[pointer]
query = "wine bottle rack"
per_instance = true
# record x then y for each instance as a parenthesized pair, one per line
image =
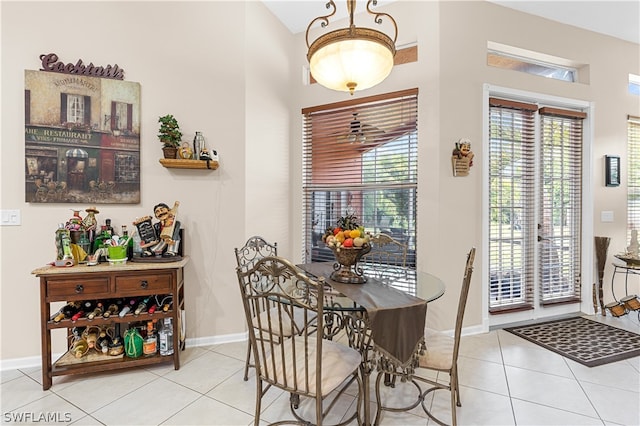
(101, 282)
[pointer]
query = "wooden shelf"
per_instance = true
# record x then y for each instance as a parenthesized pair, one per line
(171, 163)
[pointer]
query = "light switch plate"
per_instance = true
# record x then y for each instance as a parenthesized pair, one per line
(10, 218)
(606, 216)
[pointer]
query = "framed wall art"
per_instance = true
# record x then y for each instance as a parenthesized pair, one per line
(82, 139)
(612, 170)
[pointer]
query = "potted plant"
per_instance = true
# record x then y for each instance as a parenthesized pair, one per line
(170, 135)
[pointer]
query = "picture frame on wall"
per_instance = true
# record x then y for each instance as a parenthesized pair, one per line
(82, 139)
(612, 170)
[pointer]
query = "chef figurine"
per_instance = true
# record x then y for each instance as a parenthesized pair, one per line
(462, 158)
(167, 229)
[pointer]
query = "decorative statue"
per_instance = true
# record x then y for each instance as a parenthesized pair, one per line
(163, 237)
(634, 246)
(462, 158)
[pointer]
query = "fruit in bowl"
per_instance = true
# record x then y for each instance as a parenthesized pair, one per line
(346, 234)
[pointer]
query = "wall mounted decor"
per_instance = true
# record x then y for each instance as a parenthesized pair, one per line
(462, 158)
(612, 170)
(82, 139)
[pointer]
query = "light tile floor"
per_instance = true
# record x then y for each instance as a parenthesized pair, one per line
(505, 380)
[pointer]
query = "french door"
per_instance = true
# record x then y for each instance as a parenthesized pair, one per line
(534, 189)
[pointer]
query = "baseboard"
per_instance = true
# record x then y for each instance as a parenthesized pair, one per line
(36, 361)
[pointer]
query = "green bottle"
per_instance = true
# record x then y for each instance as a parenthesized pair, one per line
(63, 243)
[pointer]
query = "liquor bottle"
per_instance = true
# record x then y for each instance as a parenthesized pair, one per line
(127, 308)
(126, 239)
(137, 249)
(165, 337)
(67, 311)
(142, 306)
(116, 347)
(63, 243)
(107, 223)
(150, 344)
(97, 311)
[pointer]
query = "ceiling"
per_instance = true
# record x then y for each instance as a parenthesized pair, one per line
(620, 19)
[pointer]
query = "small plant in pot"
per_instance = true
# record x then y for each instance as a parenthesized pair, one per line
(170, 135)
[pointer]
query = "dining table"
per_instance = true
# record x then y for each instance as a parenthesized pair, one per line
(383, 317)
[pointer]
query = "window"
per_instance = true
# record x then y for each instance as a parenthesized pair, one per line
(530, 62)
(535, 204)
(121, 116)
(633, 176)
(361, 158)
(634, 84)
(75, 109)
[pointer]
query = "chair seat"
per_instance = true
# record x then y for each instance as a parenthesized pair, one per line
(298, 320)
(338, 360)
(439, 353)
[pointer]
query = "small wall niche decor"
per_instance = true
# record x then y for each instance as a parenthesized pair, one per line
(462, 158)
(612, 170)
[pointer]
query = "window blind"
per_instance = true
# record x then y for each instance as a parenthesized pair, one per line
(560, 205)
(360, 157)
(633, 176)
(511, 195)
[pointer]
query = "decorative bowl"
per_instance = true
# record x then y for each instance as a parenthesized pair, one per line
(346, 269)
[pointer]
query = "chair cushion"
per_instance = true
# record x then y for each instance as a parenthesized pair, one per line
(439, 353)
(338, 362)
(298, 319)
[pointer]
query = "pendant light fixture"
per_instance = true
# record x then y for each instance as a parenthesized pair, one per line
(353, 58)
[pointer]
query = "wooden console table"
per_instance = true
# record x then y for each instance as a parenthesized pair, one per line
(101, 282)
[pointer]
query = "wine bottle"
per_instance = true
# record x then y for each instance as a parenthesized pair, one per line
(79, 348)
(127, 308)
(152, 308)
(102, 344)
(142, 306)
(97, 311)
(67, 311)
(85, 308)
(112, 309)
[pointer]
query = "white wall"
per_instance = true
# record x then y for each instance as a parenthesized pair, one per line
(194, 60)
(231, 71)
(450, 73)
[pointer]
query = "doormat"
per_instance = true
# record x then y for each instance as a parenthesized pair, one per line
(588, 342)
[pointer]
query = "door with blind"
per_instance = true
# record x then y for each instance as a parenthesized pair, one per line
(535, 187)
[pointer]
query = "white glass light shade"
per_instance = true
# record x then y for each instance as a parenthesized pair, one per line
(351, 62)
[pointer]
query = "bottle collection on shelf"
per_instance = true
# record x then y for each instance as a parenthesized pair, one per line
(82, 241)
(142, 337)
